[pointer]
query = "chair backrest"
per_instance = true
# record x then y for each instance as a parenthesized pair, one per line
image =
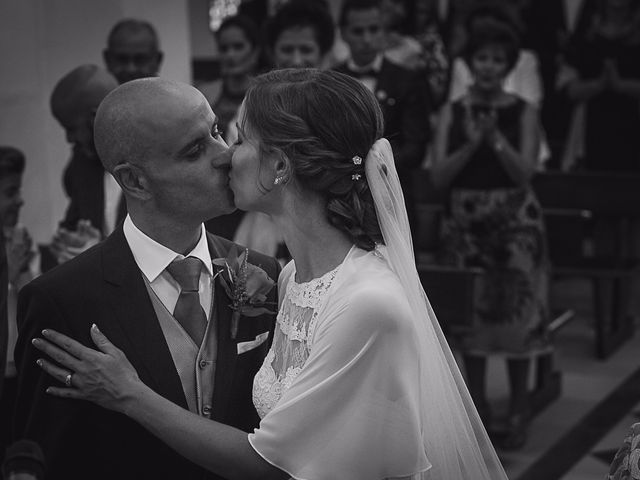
(601, 193)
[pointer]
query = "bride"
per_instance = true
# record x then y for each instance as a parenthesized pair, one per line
(359, 382)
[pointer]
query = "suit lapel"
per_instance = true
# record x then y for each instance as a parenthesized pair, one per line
(227, 350)
(146, 346)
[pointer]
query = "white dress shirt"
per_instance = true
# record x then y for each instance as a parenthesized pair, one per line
(153, 258)
(112, 198)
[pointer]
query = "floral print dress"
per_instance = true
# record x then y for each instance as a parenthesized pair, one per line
(496, 225)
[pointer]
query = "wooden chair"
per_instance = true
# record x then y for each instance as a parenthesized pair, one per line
(572, 203)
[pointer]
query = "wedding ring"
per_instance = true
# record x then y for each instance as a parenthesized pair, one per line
(67, 379)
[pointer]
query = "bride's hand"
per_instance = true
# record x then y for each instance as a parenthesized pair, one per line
(104, 377)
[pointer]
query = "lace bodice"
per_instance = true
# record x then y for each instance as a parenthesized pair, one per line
(292, 341)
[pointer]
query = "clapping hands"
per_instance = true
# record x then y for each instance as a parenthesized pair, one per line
(68, 244)
(481, 126)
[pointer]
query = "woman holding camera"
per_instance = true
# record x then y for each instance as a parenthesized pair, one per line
(486, 148)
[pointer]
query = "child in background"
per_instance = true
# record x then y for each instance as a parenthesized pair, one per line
(20, 259)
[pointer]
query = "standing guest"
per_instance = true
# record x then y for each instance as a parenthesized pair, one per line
(133, 50)
(298, 36)
(359, 382)
(96, 205)
(20, 260)
(151, 285)
(485, 155)
(605, 90)
(239, 51)
(401, 47)
(402, 96)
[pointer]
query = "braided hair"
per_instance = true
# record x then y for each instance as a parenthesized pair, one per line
(321, 121)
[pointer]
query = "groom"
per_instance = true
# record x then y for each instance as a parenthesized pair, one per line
(160, 141)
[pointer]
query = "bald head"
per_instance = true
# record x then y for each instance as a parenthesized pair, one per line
(132, 50)
(138, 115)
(80, 92)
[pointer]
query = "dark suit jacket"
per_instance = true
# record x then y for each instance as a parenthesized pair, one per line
(83, 182)
(405, 105)
(104, 285)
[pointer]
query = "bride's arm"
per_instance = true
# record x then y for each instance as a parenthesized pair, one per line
(107, 378)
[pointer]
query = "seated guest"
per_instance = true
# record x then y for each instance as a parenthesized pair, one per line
(132, 51)
(239, 52)
(96, 205)
(485, 155)
(21, 270)
(401, 93)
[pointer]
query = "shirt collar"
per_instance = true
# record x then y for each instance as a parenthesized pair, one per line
(153, 258)
(374, 66)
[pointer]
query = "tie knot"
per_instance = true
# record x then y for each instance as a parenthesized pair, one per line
(186, 272)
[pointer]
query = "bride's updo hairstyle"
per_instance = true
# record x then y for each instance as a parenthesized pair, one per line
(325, 123)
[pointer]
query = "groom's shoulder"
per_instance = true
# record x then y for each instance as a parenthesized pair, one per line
(73, 273)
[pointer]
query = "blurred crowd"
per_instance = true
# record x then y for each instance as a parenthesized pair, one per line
(482, 94)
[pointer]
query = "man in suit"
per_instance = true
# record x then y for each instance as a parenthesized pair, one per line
(402, 96)
(133, 50)
(160, 140)
(96, 205)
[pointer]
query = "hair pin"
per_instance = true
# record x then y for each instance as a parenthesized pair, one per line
(355, 177)
(357, 160)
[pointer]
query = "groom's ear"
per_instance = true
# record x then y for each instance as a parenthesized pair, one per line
(132, 180)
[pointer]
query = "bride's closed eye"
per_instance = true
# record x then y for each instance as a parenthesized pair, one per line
(216, 132)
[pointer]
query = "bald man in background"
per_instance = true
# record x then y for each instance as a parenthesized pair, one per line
(96, 205)
(161, 141)
(133, 50)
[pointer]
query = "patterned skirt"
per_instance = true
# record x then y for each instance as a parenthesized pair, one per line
(502, 232)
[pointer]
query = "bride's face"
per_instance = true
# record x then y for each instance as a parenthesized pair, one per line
(251, 176)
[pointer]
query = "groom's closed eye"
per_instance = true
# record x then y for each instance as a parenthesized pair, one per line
(198, 147)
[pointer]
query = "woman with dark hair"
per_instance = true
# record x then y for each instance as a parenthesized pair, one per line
(300, 34)
(359, 382)
(485, 155)
(603, 83)
(239, 53)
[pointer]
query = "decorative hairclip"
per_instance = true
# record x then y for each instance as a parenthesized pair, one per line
(355, 177)
(357, 160)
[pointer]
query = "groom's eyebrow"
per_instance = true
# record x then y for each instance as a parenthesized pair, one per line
(199, 136)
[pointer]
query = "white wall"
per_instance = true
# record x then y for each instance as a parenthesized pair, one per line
(40, 41)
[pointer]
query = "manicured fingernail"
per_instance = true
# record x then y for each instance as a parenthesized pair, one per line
(45, 332)
(39, 362)
(95, 328)
(48, 390)
(34, 341)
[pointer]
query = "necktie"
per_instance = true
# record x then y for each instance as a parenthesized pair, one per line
(188, 311)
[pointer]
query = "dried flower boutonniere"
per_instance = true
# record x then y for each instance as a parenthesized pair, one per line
(247, 286)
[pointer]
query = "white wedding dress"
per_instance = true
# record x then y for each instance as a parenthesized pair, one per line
(337, 390)
(360, 383)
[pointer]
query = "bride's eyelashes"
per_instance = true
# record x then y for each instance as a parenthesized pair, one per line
(217, 132)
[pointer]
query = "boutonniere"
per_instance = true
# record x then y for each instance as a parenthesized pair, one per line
(247, 286)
